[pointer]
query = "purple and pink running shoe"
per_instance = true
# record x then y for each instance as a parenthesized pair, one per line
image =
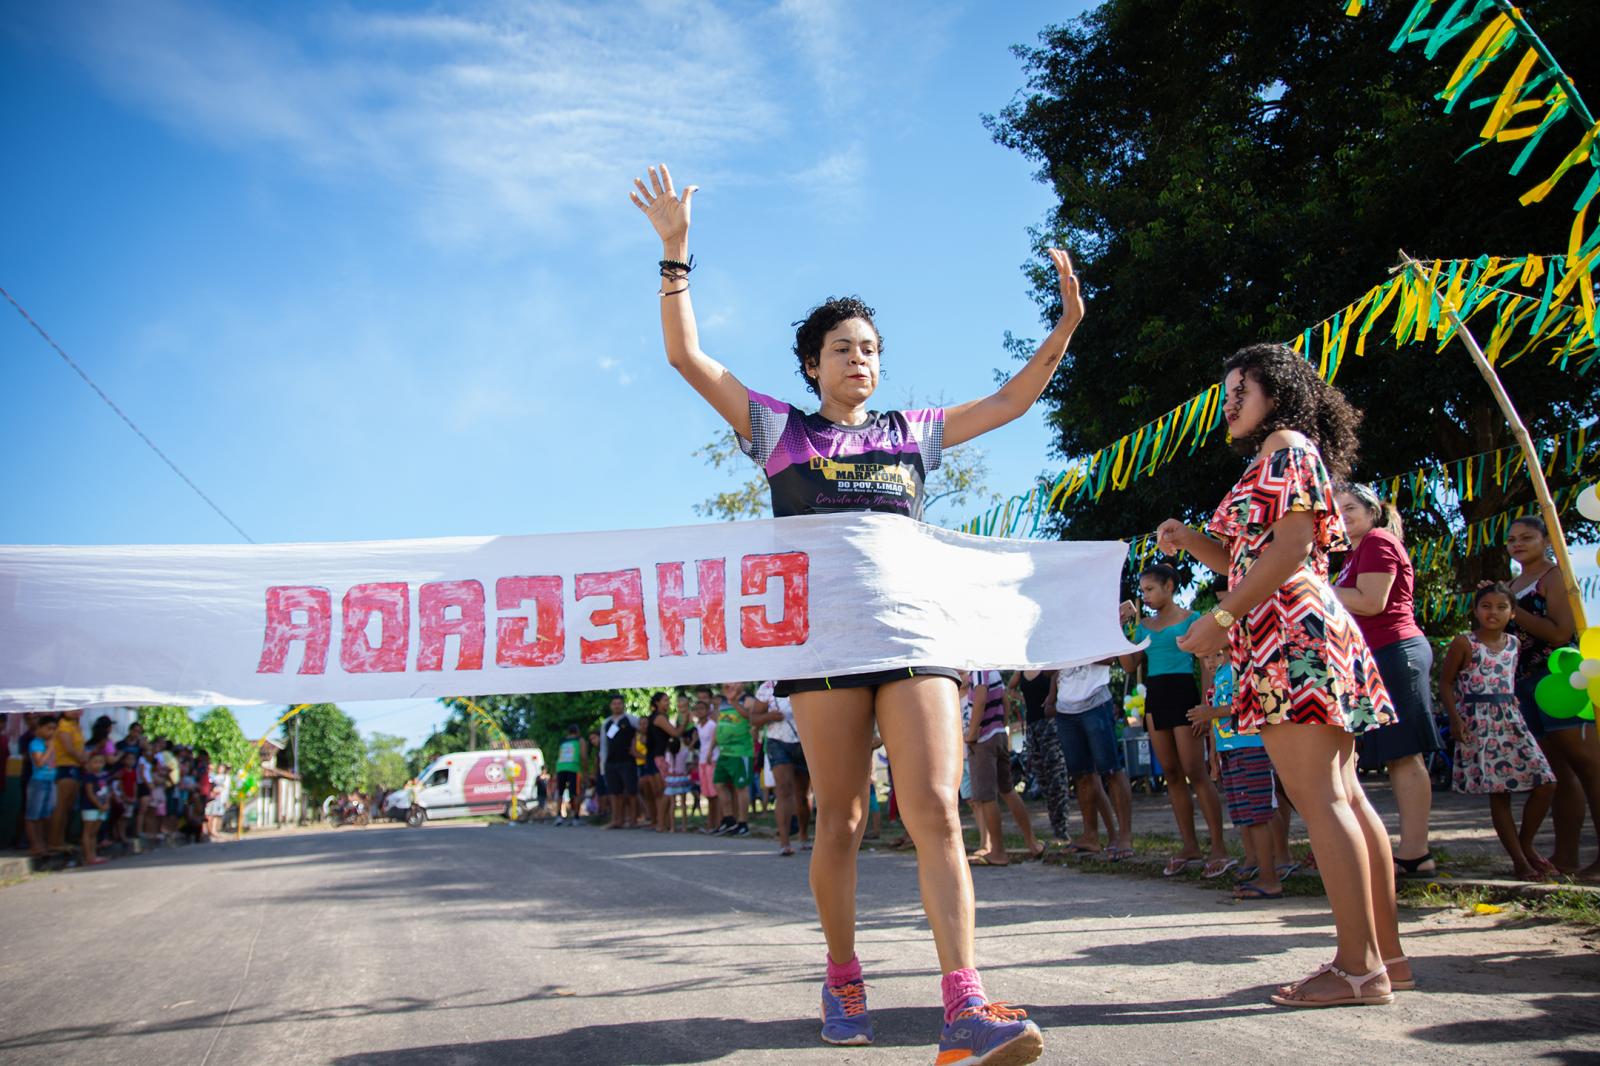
(989, 1034)
(844, 1014)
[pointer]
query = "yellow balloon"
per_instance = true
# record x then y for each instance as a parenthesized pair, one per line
(1594, 691)
(1589, 643)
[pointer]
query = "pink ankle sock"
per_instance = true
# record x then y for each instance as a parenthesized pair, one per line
(960, 986)
(843, 973)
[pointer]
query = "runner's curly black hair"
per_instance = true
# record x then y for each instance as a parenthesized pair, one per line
(810, 330)
(1301, 401)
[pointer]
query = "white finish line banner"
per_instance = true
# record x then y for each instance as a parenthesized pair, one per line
(820, 595)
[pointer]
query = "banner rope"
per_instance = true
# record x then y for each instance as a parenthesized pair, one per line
(187, 480)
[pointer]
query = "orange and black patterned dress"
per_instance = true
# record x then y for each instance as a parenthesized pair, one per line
(1297, 656)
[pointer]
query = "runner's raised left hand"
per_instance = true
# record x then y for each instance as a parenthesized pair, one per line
(1071, 297)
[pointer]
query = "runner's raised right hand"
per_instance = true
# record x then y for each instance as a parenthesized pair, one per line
(666, 210)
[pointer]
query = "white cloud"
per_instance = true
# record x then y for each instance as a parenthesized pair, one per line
(487, 118)
(825, 36)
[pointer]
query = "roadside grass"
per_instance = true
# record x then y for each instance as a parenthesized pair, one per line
(1570, 905)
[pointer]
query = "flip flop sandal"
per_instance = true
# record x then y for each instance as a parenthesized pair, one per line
(979, 860)
(1355, 999)
(786, 852)
(1245, 874)
(1079, 849)
(1177, 865)
(1117, 854)
(1213, 871)
(1287, 870)
(1245, 891)
(1037, 853)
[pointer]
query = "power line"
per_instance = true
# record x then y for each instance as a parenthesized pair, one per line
(120, 414)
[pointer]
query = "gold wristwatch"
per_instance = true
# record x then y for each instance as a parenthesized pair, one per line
(1223, 619)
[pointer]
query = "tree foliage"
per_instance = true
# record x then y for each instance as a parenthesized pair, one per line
(1232, 174)
(219, 734)
(332, 755)
(386, 761)
(173, 723)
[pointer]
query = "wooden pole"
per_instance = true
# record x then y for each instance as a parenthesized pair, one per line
(1547, 503)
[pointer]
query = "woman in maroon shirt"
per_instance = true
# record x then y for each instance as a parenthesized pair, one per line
(1375, 585)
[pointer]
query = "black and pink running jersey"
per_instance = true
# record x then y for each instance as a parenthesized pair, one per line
(814, 466)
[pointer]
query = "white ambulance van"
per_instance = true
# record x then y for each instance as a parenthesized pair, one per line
(475, 782)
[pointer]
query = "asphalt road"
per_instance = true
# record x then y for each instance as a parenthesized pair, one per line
(479, 944)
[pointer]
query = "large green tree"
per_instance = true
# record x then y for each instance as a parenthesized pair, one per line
(1228, 174)
(173, 723)
(219, 734)
(386, 761)
(332, 755)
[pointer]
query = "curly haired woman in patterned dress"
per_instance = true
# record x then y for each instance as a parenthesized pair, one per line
(1305, 678)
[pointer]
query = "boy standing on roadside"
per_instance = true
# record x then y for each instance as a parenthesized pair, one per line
(735, 748)
(40, 802)
(94, 801)
(570, 757)
(1248, 785)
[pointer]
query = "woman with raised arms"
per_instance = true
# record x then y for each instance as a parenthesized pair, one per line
(838, 349)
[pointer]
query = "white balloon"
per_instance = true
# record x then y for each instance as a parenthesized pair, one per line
(1589, 668)
(1577, 680)
(1589, 503)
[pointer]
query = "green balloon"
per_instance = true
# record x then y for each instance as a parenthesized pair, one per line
(1557, 698)
(1564, 661)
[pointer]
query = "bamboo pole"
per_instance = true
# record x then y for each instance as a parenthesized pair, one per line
(1541, 490)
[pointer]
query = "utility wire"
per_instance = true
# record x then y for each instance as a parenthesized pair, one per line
(111, 404)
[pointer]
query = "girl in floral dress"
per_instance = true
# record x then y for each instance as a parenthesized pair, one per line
(1496, 753)
(1305, 679)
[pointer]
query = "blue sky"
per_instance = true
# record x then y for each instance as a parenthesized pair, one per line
(370, 271)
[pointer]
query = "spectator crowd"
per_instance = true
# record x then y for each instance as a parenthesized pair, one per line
(82, 793)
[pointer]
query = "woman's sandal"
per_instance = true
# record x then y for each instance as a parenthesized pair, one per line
(1178, 864)
(1246, 891)
(1409, 868)
(1289, 997)
(1117, 854)
(1038, 851)
(1245, 874)
(1397, 984)
(1217, 867)
(979, 860)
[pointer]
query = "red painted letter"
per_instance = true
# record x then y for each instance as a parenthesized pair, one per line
(391, 602)
(550, 630)
(433, 627)
(282, 629)
(626, 589)
(756, 628)
(711, 578)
